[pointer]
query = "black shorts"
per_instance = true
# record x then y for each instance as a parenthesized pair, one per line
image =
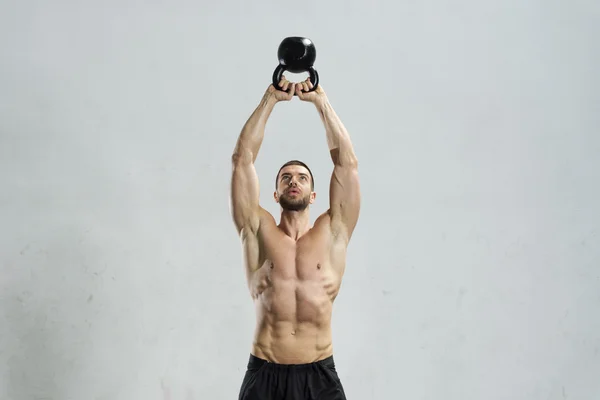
(313, 381)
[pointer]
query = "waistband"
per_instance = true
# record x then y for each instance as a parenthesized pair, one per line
(256, 362)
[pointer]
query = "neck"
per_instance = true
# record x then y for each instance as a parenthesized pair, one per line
(295, 223)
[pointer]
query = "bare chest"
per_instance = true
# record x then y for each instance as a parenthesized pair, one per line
(300, 269)
(303, 261)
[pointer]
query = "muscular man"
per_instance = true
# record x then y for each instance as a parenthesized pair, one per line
(294, 270)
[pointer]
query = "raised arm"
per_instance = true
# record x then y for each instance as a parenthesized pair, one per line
(244, 197)
(344, 188)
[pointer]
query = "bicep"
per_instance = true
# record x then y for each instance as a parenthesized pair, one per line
(344, 198)
(244, 197)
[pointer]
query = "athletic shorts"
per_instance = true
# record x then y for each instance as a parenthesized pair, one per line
(270, 381)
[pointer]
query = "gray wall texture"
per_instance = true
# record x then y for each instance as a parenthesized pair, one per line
(474, 271)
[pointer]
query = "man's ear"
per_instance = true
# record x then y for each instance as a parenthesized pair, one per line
(313, 196)
(275, 197)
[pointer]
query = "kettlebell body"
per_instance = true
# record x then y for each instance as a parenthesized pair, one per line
(296, 54)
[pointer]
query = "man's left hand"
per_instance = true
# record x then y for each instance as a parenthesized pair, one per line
(302, 90)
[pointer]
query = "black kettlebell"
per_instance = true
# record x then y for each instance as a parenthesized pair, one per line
(296, 54)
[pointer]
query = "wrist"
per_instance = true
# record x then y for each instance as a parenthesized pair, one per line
(321, 102)
(268, 100)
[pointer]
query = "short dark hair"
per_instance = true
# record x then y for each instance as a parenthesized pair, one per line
(296, 162)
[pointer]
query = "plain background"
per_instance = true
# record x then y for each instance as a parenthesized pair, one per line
(474, 271)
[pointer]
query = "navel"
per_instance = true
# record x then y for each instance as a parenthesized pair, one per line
(318, 266)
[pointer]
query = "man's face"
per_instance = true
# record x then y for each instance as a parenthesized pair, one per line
(294, 191)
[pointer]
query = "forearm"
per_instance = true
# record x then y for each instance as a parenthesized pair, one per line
(338, 139)
(252, 134)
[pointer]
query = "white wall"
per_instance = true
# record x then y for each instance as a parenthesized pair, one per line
(474, 272)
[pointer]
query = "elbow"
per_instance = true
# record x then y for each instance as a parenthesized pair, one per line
(347, 160)
(352, 161)
(344, 156)
(241, 157)
(235, 158)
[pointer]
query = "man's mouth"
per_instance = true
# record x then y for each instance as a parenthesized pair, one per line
(293, 191)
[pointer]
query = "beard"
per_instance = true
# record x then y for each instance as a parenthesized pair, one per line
(297, 204)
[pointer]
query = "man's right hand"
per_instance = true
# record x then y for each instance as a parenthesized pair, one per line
(286, 91)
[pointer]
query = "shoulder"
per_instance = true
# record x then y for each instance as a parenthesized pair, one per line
(326, 223)
(262, 221)
(323, 220)
(266, 219)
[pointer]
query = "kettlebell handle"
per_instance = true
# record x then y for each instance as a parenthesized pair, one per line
(278, 73)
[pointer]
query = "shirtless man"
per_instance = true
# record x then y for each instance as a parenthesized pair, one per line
(293, 270)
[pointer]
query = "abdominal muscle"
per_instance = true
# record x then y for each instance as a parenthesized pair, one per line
(293, 320)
